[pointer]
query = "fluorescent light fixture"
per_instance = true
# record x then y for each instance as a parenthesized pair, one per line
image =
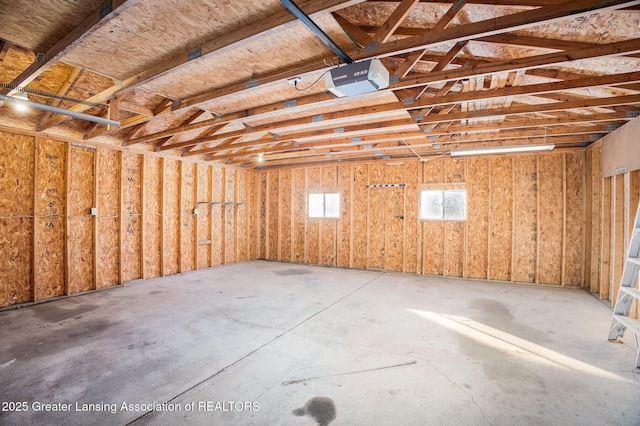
(502, 150)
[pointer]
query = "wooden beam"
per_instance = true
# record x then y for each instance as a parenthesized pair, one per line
(541, 43)
(526, 109)
(434, 77)
(513, 22)
(4, 49)
(471, 31)
(95, 21)
(353, 31)
(395, 19)
(71, 80)
(450, 99)
(206, 136)
(524, 63)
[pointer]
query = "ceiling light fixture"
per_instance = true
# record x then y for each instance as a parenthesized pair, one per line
(502, 150)
(260, 158)
(21, 100)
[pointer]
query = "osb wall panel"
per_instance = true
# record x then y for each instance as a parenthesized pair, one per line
(273, 214)
(16, 217)
(433, 237)
(525, 223)
(108, 173)
(454, 231)
(188, 220)
(344, 225)
(171, 246)
(574, 245)
(395, 218)
(49, 274)
(16, 174)
(50, 185)
(377, 213)
(230, 234)
(477, 217)
(204, 216)
(263, 216)
(243, 216)
(605, 264)
(230, 217)
(16, 241)
(594, 217)
(50, 264)
(80, 236)
(498, 241)
(634, 199)
(500, 218)
(132, 210)
(152, 217)
(411, 222)
(619, 236)
(329, 228)
(254, 225)
(550, 168)
(359, 216)
(312, 252)
(217, 217)
(285, 216)
(298, 212)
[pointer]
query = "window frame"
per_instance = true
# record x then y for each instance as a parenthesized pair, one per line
(324, 193)
(443, 188)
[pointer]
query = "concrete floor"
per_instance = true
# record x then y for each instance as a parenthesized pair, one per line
(265, 343)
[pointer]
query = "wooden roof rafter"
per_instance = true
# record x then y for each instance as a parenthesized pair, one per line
(470, 31)
(525, 63)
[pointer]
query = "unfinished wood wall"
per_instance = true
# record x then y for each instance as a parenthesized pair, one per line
(51, 245)
(525, 220)
(612, 203)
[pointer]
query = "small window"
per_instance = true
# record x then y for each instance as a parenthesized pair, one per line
(324, 205)
(443, 204)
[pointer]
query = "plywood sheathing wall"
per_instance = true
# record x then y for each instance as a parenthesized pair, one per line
(525, 223)
(612, 198)
(80, 222)
(16, 218)
(51, 245)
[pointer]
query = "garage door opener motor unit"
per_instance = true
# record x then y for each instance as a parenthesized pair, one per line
(357, 78)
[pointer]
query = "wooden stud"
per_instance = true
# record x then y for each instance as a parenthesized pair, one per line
(96, 221)
(143, 212)
(605, 245)
(211, 214)
(121, 230)
(223, 227)
(67, 248)
(236, 210)
(351, 208)
(180, 217)
(36, 260)
(163, 219)
(196, 185)
(564, 221)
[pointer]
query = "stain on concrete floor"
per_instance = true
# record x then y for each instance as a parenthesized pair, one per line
(321, 408)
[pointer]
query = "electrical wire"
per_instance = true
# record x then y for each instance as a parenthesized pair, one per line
(295, 83)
